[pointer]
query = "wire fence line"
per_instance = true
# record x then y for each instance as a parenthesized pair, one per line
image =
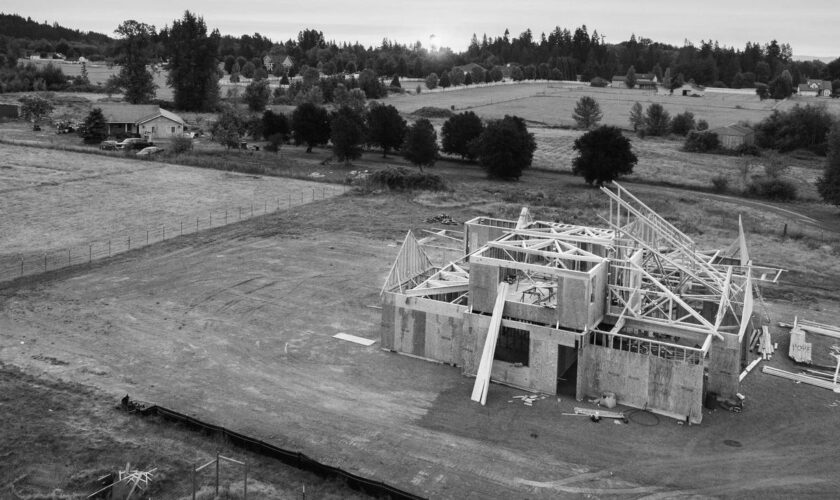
(13, 267)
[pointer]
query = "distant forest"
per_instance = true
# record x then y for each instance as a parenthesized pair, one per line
(561, 54)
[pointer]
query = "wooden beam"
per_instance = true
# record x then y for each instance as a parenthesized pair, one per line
(482, 378)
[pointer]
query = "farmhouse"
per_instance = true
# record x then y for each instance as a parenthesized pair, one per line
(815, 88)
(733, 136)
(644, 81)
(146, 120)
(632, 309)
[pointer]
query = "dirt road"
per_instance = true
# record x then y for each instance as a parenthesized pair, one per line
(235, 326)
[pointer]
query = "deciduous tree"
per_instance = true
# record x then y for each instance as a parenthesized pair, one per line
(432, 81)
(310, 125)
(603, 155)
(275, 123)
(459, 134)
(257, 95)
(229, 128)
(347, 133)
(386, 128)
(505, 148)
(420, 146)
(829, 184)
(135, 55)
(34, 107)
(657, 120)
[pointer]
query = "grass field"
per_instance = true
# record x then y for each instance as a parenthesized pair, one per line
(55, 199)
(98, 74)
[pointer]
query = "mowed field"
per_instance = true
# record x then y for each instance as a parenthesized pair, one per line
(53, 199)
(235, 327)
(552, 104)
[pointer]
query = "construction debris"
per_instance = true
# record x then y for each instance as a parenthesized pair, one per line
(528, 400)
(597, 415)
(810, 342)
(442, 219)
(127, 483)
(354, 339)
(802, 378)
(765, 344)
(748, 369)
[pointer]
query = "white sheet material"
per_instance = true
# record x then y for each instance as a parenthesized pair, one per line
(353, 338)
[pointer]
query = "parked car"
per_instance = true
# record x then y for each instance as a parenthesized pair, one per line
(149, 151)
(109, 145)
(134, 143)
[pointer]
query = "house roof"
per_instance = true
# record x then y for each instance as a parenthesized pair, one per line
(162, 113)
(467, 68)
(126, 113)
(817, 85)
(732, 130)
(287, 61)
(619, 78)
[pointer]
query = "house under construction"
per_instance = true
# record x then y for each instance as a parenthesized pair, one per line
(633, 309)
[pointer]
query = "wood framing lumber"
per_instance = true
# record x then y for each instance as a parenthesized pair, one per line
(601, 413)
(748, 369)
(798, 377)
(482, 378)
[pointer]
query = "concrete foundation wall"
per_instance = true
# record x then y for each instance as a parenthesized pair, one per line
(672, 387)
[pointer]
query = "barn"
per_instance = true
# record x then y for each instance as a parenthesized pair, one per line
(734, 136)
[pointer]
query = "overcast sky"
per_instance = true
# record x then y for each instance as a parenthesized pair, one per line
(810, 27)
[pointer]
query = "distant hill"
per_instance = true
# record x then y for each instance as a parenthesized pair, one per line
(15, 26)
(813, 58)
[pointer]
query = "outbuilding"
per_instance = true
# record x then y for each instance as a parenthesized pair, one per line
(146, 120)
(734, 136)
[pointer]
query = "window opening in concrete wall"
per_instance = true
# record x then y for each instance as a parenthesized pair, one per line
(513, 345)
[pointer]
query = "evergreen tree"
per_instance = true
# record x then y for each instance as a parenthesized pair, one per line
(257, 94)
(637, 118)
(603, 155)
(420, 146)
(193, 75)
(630, 78)
(587, 113)
(135, 55)
(94, 129)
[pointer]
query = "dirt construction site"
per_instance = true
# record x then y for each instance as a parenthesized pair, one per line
(235, 326)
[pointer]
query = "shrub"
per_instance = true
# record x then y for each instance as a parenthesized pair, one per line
(402, 179)
(180, 144)
(772, 189)
(433, 112)
(720, 183)
(683, 123)
(748, 150)
(701, 142)
(702, 125)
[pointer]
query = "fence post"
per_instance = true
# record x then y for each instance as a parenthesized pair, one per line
(45, 262)
(129, 242)
(245, 487)
(217, 473)
(196, 224)
(265, 207)
(147, 236)
(211, 219)
(193, 482)
(90, 253)
(226, 217)
(323, 193)
(182, 228)
(290, 201)
(240, 212)
(313, 194)
(68, 256)
(163, 232)
(252, 209)
(109, 248)
(21, 267)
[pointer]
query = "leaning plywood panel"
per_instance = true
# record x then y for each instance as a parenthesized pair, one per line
(725, 366)
(676, 387)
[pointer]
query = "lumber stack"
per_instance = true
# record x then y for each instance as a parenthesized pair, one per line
(482, 377)
(799, 377)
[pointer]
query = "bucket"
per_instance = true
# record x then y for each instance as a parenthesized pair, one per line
(608, 400)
